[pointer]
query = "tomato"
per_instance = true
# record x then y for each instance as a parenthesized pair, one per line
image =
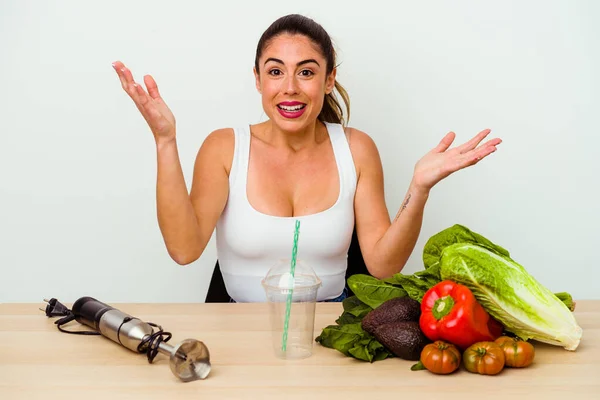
(485, 358)
(440, 357)
(517, 353)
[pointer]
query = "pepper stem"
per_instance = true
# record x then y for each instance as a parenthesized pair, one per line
(442, 307)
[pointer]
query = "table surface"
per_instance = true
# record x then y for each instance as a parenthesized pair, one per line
(39, 362)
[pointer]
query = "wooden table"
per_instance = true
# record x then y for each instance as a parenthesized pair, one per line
(39, 362)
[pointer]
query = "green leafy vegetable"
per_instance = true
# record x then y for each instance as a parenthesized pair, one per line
(432, 251)
(369, 349)
(414, 286)
(567, 299)
(373, 291)
(346, 319)
(341, 337)
(353, 341)
(354, 311)
(511, 295)
(431, 275)
(355, 307)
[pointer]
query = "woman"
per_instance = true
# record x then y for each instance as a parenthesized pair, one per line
(252, 183)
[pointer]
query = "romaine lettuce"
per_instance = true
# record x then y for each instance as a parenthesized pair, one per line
(510, 294)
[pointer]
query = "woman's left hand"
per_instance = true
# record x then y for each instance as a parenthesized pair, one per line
(442, 161)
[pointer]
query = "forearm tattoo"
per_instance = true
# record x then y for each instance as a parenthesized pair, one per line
(403, 207)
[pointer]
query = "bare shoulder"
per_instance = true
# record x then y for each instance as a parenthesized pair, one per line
(218, 147)
(364, 150)
(220, 138)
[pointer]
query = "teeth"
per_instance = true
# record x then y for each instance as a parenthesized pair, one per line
(292, 108)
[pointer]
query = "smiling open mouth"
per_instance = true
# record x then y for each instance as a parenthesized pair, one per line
(291, 108)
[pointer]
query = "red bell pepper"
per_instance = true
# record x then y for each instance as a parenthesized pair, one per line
(450, 312)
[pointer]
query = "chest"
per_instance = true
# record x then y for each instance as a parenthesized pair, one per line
(287, 185)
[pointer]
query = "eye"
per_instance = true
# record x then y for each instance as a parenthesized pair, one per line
(275, 72)
(306, 72)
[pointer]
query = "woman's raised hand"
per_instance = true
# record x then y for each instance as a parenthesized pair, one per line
(154, 110)
(443, 161)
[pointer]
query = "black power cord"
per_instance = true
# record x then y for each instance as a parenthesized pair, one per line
(150, 343)
(55, 308)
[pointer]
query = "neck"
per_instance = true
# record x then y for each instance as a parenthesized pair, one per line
(296, 140)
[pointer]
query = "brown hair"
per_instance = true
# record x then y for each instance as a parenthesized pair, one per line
(297, 24)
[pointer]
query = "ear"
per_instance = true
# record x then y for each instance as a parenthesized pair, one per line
(330, 82)
(257, 78)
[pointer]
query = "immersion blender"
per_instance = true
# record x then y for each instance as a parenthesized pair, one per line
(189, 360)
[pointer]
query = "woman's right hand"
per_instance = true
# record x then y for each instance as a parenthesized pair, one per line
(154, 110)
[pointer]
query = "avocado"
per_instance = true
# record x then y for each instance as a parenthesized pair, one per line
(404, 338)
(393, 310)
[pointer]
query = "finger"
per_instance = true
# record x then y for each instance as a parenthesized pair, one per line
(147, 107)
(127, 74)
(445, 143)
(118, 66)
(133, 87)
(471, 144)
(480, 149)
(480, 154)
(152, 87)
(492, 142)
(127, 80)
(142, 96)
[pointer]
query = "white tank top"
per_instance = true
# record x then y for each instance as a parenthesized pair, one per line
(249, 242)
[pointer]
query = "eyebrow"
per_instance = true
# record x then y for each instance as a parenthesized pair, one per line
(277, 60)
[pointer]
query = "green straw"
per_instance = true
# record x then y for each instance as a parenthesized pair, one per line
(289, 297)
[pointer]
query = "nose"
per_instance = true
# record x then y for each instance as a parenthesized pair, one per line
(290, 84)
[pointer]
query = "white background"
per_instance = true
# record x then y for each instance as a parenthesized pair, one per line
(78, 163)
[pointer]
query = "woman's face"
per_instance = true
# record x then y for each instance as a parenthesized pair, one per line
(293, 81)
